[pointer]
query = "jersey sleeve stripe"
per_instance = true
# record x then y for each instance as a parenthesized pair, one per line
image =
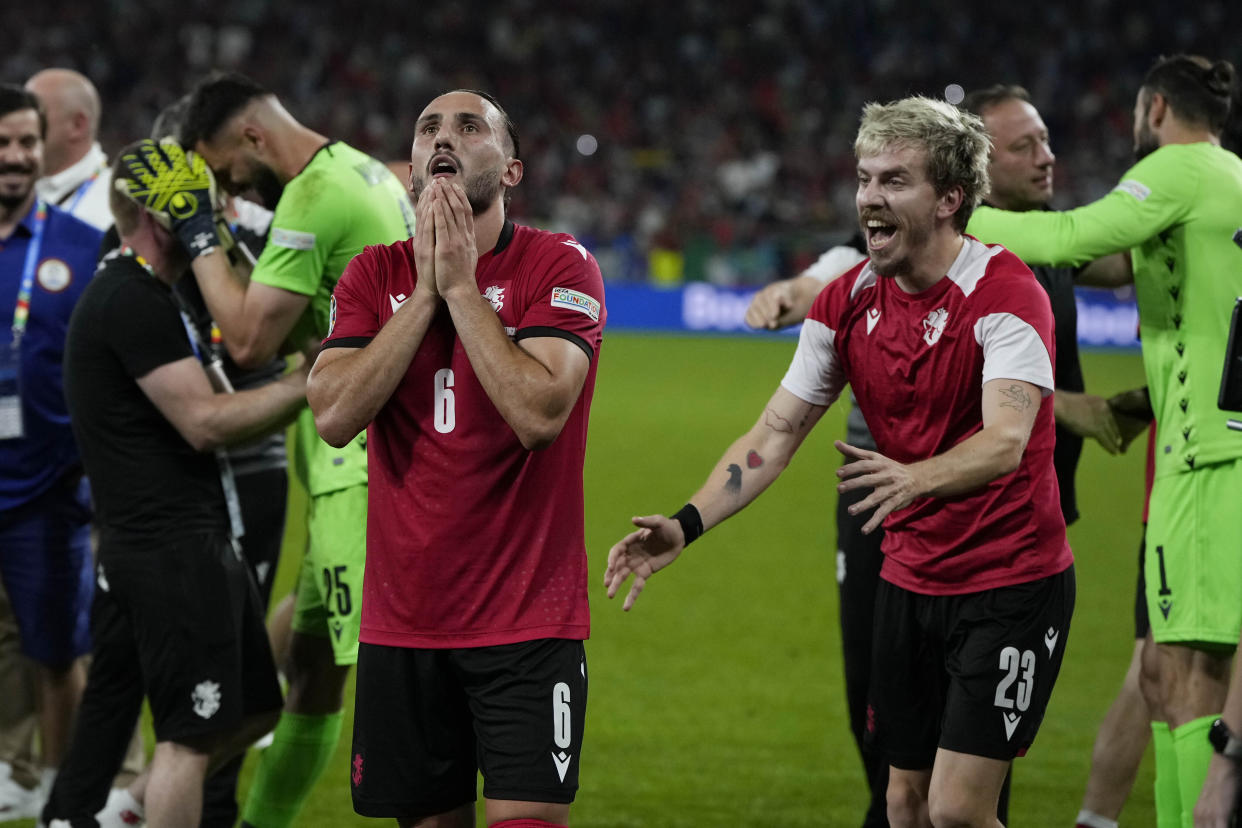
(1012, 349)
(348, 342)
(541, 330)
(815, 373)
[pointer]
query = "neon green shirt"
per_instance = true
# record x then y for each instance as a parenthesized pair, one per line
(1176, 212)
(341, 202)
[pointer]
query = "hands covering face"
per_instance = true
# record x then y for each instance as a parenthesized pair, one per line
(445, 250)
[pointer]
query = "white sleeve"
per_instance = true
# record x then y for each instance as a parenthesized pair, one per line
(815, 373)
(833, 263)
(1012, 349)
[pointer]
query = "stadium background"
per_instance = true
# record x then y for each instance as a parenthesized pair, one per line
(709, 145)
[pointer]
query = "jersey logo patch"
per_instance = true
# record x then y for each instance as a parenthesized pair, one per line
(292, 239)
(573, 300)
(331, 316)
(396, 301)
(1050, 640)
(873, 316)
(1135, 188)
(933, 325)
(206, 698)
(496, 295)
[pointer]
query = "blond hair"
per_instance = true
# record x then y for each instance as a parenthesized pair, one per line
(956, 143)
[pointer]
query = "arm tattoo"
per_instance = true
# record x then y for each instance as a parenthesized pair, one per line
(1018, 398)
(734, 485)
(776, 422)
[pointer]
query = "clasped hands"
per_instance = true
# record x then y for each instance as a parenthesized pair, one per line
(445, 250)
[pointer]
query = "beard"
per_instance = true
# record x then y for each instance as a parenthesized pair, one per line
(266, 185)
(1145, 141)
(10, 199)
(481, 189)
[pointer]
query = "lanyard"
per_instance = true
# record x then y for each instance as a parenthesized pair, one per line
(81, 191)
(24, 289)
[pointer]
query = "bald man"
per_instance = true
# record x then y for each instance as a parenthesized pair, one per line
(75, 173)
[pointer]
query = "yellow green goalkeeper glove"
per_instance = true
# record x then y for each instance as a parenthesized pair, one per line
(177, 188)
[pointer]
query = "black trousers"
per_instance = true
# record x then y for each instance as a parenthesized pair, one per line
(112, 700)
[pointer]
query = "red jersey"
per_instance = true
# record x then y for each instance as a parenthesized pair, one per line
(472, 540)
(917, 364)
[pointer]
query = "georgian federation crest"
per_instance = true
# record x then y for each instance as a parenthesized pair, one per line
(206, 698)
(496, 295)
(933, 325)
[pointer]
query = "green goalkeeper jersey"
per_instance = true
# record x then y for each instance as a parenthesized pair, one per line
(1176, 212)
(342, 201)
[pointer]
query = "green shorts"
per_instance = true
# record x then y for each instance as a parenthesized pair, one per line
(1194, 555)
(329, 601)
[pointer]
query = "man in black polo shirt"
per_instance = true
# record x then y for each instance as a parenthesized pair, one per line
(175, 603)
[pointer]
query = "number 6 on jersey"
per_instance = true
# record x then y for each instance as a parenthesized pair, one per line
(446, 412)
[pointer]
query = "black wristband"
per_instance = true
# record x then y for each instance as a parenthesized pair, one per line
(691, 523)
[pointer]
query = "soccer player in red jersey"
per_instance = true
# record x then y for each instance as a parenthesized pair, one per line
(948, 345)
(469, 354)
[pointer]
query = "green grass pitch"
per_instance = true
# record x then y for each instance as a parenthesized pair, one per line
(719, 700)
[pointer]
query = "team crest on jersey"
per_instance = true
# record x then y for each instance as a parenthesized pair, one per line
(933, 325)
(496, 295)
(54, 275)
(206, 698)
(573, 300)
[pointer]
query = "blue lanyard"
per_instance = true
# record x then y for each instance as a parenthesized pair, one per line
(24, 289)
(81, 191)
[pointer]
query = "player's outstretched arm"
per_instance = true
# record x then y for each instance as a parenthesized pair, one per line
(783, 303)
(747, 468)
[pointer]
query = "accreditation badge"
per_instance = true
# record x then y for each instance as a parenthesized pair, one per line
(10, 394)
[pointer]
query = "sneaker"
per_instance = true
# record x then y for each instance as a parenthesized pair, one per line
(121, 811)
(17, 802)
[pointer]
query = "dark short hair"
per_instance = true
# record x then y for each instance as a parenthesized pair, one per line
(979, 101)
(14, 98)
(213, 101)
(509, 127)
(170, 119)
(1198, 90)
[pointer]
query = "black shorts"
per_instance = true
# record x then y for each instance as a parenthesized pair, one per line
(196, 624)
(969, 673)
(426, 722)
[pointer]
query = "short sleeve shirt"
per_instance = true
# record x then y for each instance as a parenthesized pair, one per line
(917, 364)
(473, 540)
(147, 481)
(62, 268)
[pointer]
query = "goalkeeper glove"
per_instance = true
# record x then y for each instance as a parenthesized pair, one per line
(177, 188)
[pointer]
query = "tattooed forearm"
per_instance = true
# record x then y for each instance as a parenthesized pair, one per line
(776, 422)
(1018, 398)
(734, 484)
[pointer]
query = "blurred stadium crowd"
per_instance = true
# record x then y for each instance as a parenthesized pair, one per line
(679, 140)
